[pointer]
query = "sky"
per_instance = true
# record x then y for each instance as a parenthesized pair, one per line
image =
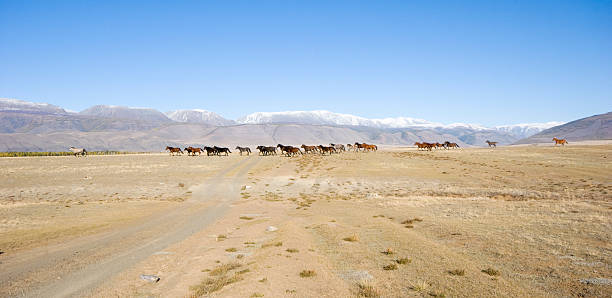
(485, 62)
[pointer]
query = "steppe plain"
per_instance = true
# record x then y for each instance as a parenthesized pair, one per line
(517, 221)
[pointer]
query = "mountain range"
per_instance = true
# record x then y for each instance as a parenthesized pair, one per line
(28, 126)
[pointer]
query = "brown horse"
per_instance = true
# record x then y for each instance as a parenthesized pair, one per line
(309, 149)
(174, 150)
(193, 150)
(491, 144)
(365, 147)
(326, 149)
(560, 141)
(451, 145)
(293, 151)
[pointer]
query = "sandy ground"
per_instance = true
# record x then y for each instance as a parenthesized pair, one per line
(394, 223)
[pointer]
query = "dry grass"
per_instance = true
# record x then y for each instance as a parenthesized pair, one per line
(391, 266)
(279, 243)
(491, 271)
(246, 217)
(308, 273)
(457, 272)
(403, 261)
(420, 286)
(293, 250)
(352, 238)
(387, 251)
(257, 295)
(223, 269)
(213, 284)
(367, 290)
(231, 249)
(221, 237)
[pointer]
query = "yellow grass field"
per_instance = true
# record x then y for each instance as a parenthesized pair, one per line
(523, 221)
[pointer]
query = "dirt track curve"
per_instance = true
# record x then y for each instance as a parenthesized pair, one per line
(78, 267)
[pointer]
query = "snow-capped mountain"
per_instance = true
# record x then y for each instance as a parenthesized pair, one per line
(145, 114)
(8, 104)
(199, 116)
(525, 130)
(331, 118)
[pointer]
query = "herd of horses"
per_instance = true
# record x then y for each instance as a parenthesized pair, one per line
(305, 149)
(429, 146)
(274, 150)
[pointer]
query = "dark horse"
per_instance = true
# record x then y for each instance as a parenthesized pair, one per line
(222, 150)
(491, 144)
(263, 150)
(210, 151)
(244, 149)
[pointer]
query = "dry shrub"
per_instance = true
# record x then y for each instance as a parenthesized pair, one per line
(246, 217)
(213, 284)
(353, 238)
(391, 266)
(457, 272)
(388, 251)
(367, 290)
(223, 269)
(420, 286)
(491, 271)
(308, 273)
(231, 249)
(292, 250)
(279, 243)
(403, 261)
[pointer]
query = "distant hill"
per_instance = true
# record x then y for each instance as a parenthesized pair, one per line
(27, 126)
(598, 127)
(199, 116)
(120, 112)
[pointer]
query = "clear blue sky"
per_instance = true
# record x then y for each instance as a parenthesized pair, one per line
(487, 62)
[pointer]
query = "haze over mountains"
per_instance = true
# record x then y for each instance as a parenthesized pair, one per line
(27, 126)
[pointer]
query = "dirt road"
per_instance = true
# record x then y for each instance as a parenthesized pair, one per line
(77, 267)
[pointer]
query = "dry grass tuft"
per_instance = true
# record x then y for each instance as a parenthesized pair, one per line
(246, 217)
(292, 250)
(353, 238)
(367, 290)
(420, 286)
(491, 271)
(231, 249)
(388, 251)
(308, 273)
(279, 243)
(257, 295)
(221, 237)
(437, 294)
(213, 284)
(457, 272)
(391, 266)
(403, 261)
(223, 269)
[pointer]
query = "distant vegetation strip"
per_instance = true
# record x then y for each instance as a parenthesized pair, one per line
(66, 153)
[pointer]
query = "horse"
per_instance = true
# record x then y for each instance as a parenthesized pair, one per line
(440, 146)
(293, 151)
(78, 151)
(350, 147)
(284, 148)
(193, 150)
(174, 150)
(324, 149)
(451, 145)
(263, 150)
(309, 149)
(560, 141)
(244, 149)
(491, 144)
(220, 150)
(338, 147)
(210, 151)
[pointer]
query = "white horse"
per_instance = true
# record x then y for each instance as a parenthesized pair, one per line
(78, 151)
(338, 147)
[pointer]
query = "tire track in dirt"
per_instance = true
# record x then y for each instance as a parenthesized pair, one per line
(76, 268)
